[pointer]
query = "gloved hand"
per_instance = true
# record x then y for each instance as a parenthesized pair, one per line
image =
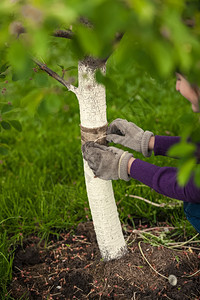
(108, 163)
(129, 135)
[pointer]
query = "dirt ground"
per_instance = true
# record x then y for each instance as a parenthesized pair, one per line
(72, 268)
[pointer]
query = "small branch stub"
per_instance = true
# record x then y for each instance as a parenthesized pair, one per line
(56, 76)
(67, 34)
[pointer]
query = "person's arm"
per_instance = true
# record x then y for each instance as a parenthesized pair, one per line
(164, 181)
(111, 163)
(161, 144)
(130, 135)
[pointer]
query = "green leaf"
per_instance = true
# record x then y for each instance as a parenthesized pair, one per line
(40, 42)
(144, 9)
(6, 108)
(16, 124)
(162, 56)
(17, 56)
(15, 77)
(62, 11)
(89, 41)
(185, 171)
(2, 76)
(4, 146)
(50, 104)
(4, 67)
(105, 80)
(100, 77)
(62, 67)
(70, 68)
(19, 60)
(181, 150)
(5, 125)
(195, 134)
(3, 151)
(32, 100)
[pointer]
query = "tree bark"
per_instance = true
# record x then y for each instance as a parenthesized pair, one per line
(92, 101)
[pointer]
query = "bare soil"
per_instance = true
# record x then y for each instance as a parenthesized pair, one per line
(72, 268)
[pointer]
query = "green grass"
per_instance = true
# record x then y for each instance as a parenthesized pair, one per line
(42, 189)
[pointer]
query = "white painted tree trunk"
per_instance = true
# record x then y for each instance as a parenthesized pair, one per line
(92, 102)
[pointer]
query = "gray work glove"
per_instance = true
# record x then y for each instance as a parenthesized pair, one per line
(108, 163)
(129, 135)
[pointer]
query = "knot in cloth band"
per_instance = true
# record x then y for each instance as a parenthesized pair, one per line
(97, 135)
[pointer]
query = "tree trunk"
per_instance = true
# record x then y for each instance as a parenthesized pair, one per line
(92, 102)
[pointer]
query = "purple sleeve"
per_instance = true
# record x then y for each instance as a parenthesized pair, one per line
(163, 143)
(164, 181)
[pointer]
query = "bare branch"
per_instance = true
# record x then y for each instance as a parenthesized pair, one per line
(147, 201)
(16, 28)
(67, 34)
(153, 203)
(55, 76)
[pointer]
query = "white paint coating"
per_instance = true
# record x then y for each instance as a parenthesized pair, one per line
(105, 216)
(92, 102)
(92, 98)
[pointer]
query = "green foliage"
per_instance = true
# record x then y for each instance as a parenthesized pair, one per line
(5, 125)
(16, 124)
(185, 170)
(88, 40)
(186, 153)
(41, 180)
(182, 149)
(3, 149)
(6, 108)
(37, 165)
(7, 111)
(3, 69)
(157, 28)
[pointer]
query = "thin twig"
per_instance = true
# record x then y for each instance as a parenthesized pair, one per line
(67, 34)
(136, 231)
(153, 229)
(184, 243)
(84, 242)
(133, 298)
(167, 245)
(18, 269)
(168, 297)
(191, 274)
(189, 247)
(129, 239)
(56, 294)
(149, 262)
(150, 202)
(56, 76)
(147, 201)
(177, 243)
